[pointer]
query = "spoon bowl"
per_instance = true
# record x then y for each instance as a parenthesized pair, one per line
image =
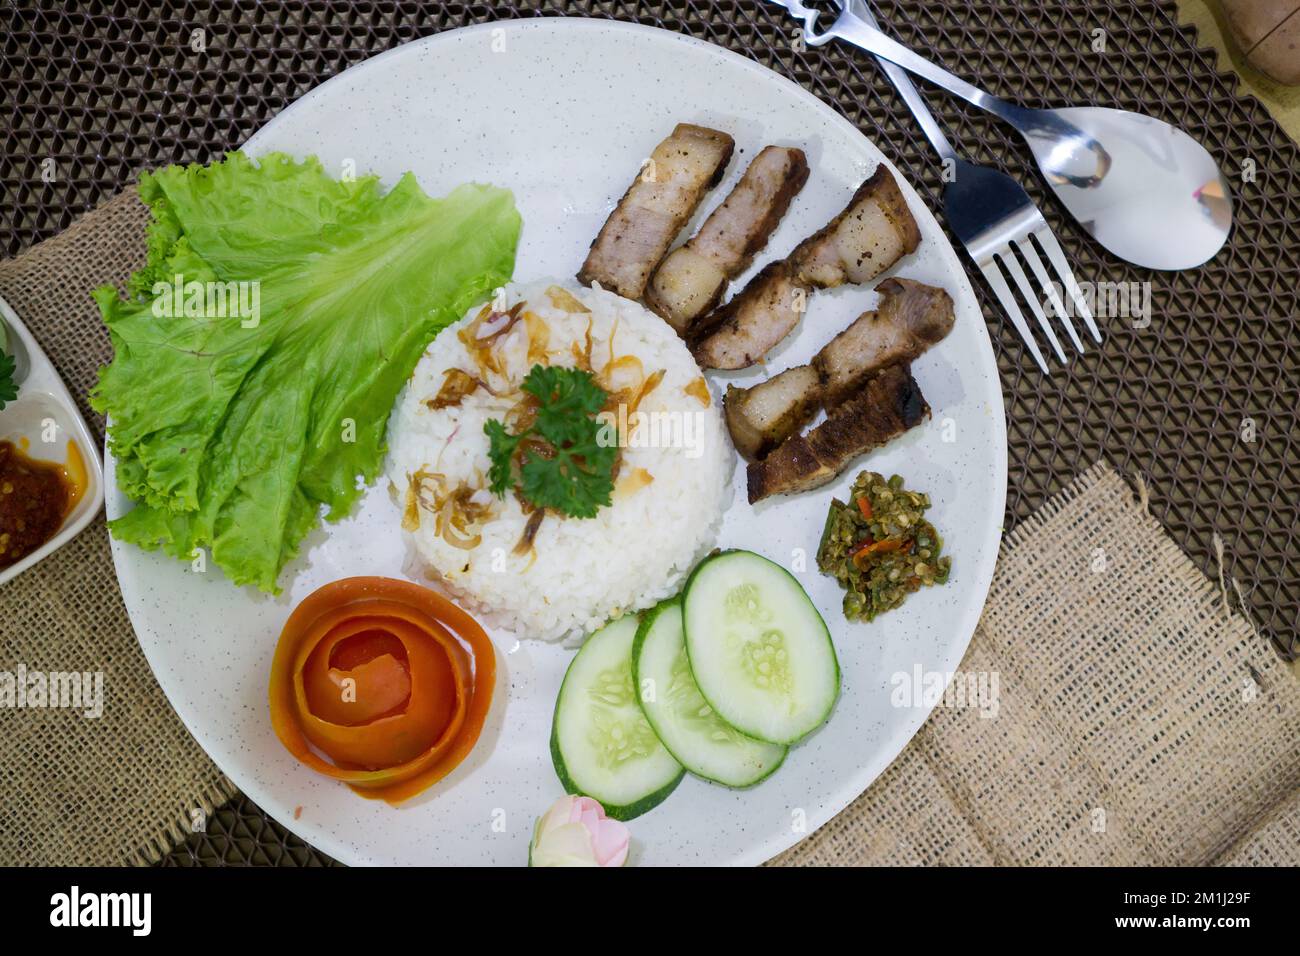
(1142, 188)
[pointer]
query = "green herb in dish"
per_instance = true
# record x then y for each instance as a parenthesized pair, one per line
(879, 546)
(558, 461)
(8, 388)
(234, 434)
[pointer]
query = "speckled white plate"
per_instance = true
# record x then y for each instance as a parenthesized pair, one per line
(562, 111)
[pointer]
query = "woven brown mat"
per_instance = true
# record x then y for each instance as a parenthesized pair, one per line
(92, 96)
(1130, 718)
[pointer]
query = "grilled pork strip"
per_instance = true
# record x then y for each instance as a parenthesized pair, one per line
(753, 322)
(887, 406)
(762, 417)
(873, 232)
(655, 207)
(911, 317)
(691, 280)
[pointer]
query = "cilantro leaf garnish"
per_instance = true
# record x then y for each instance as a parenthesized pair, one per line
(8, 387)
(501, 450)
(558, 461)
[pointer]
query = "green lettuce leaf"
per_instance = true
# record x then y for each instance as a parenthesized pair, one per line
(235, 436)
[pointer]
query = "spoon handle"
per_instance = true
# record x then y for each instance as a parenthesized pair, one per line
(851, 27)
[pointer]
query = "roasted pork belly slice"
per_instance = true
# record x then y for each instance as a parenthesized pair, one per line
(655, 207)
(888, 405)
(753, 322)
(762, 417)
(691, 280)
(873, 232)
(911, 317)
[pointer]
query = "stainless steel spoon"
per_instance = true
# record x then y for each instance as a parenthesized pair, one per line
(1145, 190)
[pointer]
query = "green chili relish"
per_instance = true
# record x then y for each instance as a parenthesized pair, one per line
(879, 546)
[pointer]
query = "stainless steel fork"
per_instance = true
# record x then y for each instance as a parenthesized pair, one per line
(994, 218)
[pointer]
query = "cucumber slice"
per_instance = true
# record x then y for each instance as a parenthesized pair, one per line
(601, 744)
(700, 740)
(760, 652)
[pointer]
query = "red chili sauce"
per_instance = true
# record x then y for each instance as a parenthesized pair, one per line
(35, 497)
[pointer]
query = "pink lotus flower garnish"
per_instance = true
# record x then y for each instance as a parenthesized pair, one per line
(576, 832)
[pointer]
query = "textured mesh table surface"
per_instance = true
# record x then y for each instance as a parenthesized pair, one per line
(93, 97)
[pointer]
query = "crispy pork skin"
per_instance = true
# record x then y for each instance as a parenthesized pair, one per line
(655, 207)
(888, 405)
(762, 417)
(691, 280)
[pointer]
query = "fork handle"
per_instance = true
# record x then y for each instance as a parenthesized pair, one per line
(910, 94)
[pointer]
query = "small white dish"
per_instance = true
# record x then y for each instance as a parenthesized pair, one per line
(45, 423)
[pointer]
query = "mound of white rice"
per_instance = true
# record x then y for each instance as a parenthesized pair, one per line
(580, 573)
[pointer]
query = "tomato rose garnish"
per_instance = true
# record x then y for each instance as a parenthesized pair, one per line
(389, 681)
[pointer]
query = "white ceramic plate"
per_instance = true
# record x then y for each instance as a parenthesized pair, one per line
(562, 111)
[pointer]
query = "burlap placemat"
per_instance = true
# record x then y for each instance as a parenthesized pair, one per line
(1138, 721)
(126, 786)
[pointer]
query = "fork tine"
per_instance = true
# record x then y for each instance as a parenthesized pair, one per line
(1030, 255)
(1047, 240)
(994, 276)
(1022, 282)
